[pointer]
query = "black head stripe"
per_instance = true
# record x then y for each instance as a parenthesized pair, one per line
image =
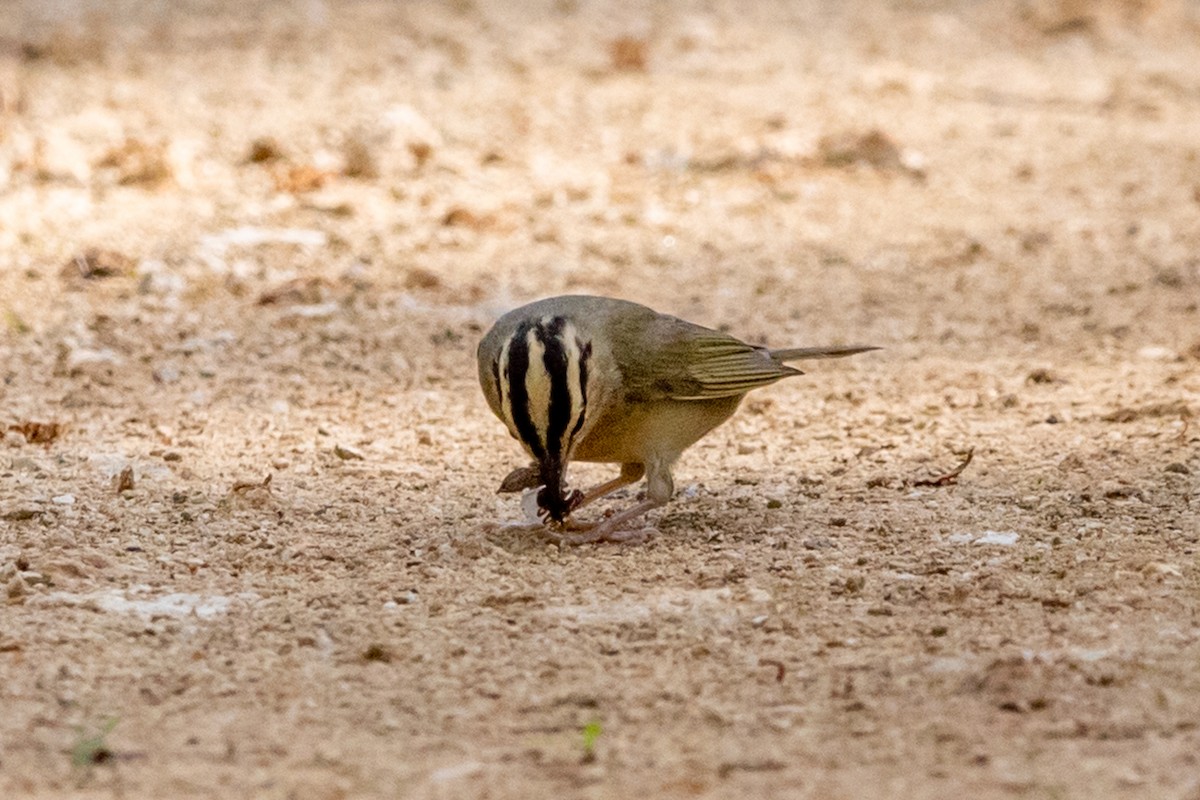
(499, 383)
(518, 394)
(544, 366)
(585, 353)
(555, 360)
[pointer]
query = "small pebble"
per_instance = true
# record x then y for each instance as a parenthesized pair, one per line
(1041, 375)
(63, 500)
(1158, 354)
(1000, 538)
(61, 538)
(16, 588)
(1163, 568)
(67, 567)
(347, 453)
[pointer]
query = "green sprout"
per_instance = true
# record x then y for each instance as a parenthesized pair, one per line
(590, 733)
(93, 749)
(14, 323)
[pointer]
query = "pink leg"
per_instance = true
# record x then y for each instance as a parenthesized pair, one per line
(608, 530)
(630, 473)
(659, 489)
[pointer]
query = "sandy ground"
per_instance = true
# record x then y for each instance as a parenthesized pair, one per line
(244, 241)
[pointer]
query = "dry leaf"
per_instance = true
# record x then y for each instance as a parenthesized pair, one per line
(421, 278)
(39, 432)
(304, 291)
(138, 163)
(520, 479)
(245, 487)
(359, 159)
(263, 150)
(1177, 408)
(628, 54)
(124, 481)
(94, 263)
(301, 178)
(459, 217)
(421, 151)
(874, 148)
(250, 494)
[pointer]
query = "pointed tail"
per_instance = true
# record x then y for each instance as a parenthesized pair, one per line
(808, 353)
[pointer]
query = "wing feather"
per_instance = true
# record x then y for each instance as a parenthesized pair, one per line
(682, 361)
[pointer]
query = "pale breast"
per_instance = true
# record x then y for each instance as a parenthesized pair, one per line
(663, 429)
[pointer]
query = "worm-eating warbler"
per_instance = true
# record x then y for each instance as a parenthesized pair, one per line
(581, 378)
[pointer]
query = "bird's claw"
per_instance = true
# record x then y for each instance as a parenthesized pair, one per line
(571, 502)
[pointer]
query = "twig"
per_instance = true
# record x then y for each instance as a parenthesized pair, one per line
(241, 487)
(780, 668)
(950, 477)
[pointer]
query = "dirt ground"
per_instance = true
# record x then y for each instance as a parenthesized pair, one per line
(250, 544)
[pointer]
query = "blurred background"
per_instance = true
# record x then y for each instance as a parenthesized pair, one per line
(1001, 154)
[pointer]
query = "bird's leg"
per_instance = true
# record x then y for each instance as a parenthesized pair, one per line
(630, 473)
(659, 488)
(523, 478)
(607, 530)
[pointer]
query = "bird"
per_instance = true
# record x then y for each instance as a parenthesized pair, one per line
(598, 379)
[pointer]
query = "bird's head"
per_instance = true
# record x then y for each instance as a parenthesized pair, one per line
(540, 377)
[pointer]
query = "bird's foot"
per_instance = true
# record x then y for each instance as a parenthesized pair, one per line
(611, 529)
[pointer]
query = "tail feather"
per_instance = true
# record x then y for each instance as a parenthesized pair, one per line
(809, 353)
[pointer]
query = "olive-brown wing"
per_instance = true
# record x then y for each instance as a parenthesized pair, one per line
(675, 359)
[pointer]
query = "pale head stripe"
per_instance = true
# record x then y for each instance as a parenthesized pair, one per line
(519, 404)
(541, 378)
